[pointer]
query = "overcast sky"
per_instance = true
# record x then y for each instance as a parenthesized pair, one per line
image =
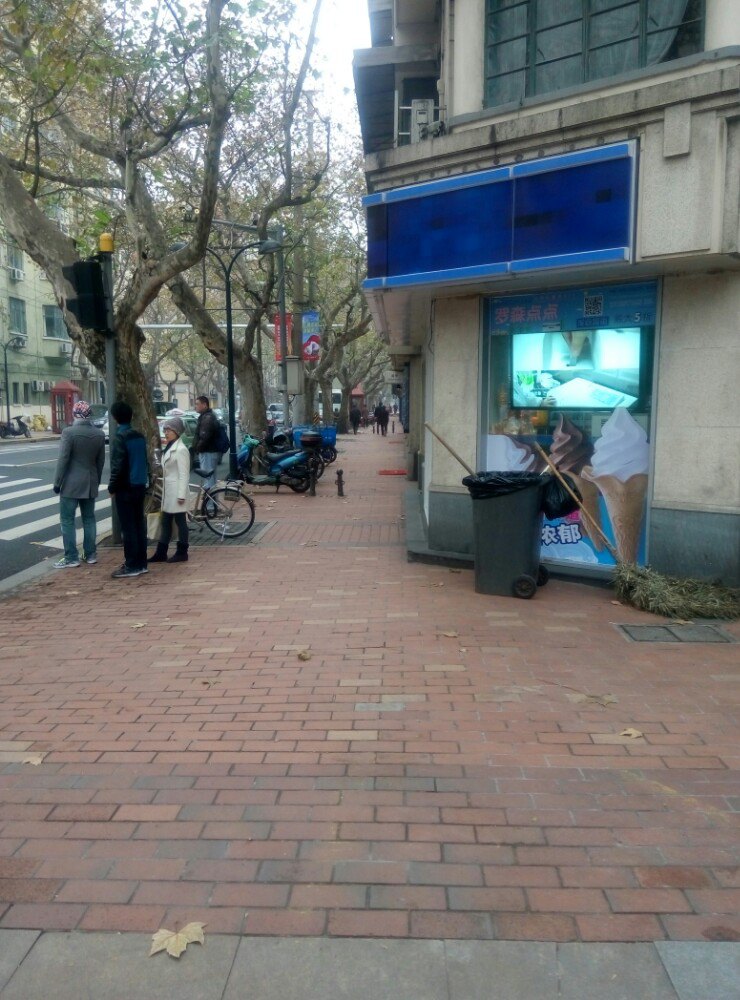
(343, 27)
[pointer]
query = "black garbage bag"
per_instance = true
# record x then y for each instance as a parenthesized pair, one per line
(486, 485)
(556, 501)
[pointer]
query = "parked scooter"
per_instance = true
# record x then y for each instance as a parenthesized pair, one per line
(281, 442)
(260, 467)
(10, 430)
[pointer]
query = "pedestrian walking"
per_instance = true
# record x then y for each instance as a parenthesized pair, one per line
(383, 418)
(129, 477)
(205, 450)
(76, 481)
(175, 491)
(354, 418)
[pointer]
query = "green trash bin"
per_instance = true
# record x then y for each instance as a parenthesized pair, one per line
(507, 529)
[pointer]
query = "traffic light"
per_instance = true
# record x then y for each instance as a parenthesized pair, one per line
(89, 305)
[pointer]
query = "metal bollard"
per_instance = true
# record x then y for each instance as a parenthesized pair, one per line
(393, 426)
(340, 483)
(312, 479)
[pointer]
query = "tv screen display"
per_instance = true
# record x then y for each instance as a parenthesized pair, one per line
(577, 369)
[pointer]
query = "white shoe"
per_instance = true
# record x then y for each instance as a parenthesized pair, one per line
(90, 560)
(63, 564)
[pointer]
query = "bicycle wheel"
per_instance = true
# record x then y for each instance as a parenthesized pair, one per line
(228, 512)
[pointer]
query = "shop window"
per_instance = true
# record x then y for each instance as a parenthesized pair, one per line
(540, 46)
(17, 316)
(54, 324)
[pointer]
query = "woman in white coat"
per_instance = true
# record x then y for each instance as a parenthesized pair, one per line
(176, 476)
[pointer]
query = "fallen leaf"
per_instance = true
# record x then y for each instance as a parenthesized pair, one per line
(209, 683)
(450, 635)
(35, 759)
(680, 621)
(138, 625)
(175, 942)
(304, 655)
(463, 649)
(70, 593)
(618, 604)
(633, 734)
(593, 699)
(455, 570)
(436, 585)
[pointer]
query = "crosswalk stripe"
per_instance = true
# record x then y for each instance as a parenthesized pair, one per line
(24, 493)
(57, 543)
(18, 482)
(26, 508)
(24, 530)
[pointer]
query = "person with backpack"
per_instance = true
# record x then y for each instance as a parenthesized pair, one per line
(207, 441)
(129, 478)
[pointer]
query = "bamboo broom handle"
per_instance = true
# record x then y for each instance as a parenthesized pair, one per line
(556, 472)
(451, 450)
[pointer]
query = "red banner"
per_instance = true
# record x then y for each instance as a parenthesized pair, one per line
(288, 334)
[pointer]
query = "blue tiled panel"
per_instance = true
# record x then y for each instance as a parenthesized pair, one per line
(559, 211)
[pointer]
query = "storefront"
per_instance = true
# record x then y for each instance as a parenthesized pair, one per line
(570, 371)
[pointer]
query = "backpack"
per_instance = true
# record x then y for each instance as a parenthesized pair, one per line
(222, 443)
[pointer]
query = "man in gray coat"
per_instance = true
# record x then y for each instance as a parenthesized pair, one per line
(79, 469)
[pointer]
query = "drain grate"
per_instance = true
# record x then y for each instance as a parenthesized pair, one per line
(675, 633)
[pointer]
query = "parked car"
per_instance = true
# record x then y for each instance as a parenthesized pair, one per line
(275, 414)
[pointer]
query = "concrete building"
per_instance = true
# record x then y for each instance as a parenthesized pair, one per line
(553, 257)
(34, 341)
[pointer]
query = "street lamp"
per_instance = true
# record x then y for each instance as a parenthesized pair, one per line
(15, 343)
(265, 247)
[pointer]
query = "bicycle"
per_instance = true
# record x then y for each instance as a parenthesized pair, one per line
(228, 511)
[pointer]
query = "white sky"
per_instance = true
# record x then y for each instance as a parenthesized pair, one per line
(343, 27)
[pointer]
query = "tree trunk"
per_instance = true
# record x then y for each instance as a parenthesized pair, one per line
(249, 377)
(131, 382)
(327, 411)
(343, 418)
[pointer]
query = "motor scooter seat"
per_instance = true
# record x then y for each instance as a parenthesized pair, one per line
(277, 456)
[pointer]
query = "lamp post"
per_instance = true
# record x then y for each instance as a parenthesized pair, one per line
(14, 343)
(265, 247)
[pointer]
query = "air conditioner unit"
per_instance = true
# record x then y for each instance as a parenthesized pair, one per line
(16, 274)
(65, 347)
(48, 386)
(36, 386)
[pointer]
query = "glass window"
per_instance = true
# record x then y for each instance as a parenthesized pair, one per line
(541, 46)
(26, 392)
(16, 393)
(17, 315)
(54, 324)
(15, 255)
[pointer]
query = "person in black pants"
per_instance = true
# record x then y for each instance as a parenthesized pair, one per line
(129, 477)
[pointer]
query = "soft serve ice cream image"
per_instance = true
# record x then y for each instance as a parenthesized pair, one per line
(505, 454)
(619, 468)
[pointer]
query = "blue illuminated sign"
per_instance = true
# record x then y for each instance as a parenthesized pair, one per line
(559, 211)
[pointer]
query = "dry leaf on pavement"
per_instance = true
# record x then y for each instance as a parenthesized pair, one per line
(175, 942)
(593, 699)
(34, 758)
(450, 635)
(633, 734)
(138, 625)
(304, 655)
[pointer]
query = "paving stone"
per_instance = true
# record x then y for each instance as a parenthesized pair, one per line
(14, 946)
(500, 970)
(327, 969)
(612, 972)
(91, 966)
(702, 970)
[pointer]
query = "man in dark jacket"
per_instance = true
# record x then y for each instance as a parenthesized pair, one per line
(355, 417)
(77, 477)
(129, 477)
(204, 441)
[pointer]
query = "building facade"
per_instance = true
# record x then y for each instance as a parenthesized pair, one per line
(37, 352)
(554, 258)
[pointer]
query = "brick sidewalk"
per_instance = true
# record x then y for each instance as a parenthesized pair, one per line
(430, 770)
